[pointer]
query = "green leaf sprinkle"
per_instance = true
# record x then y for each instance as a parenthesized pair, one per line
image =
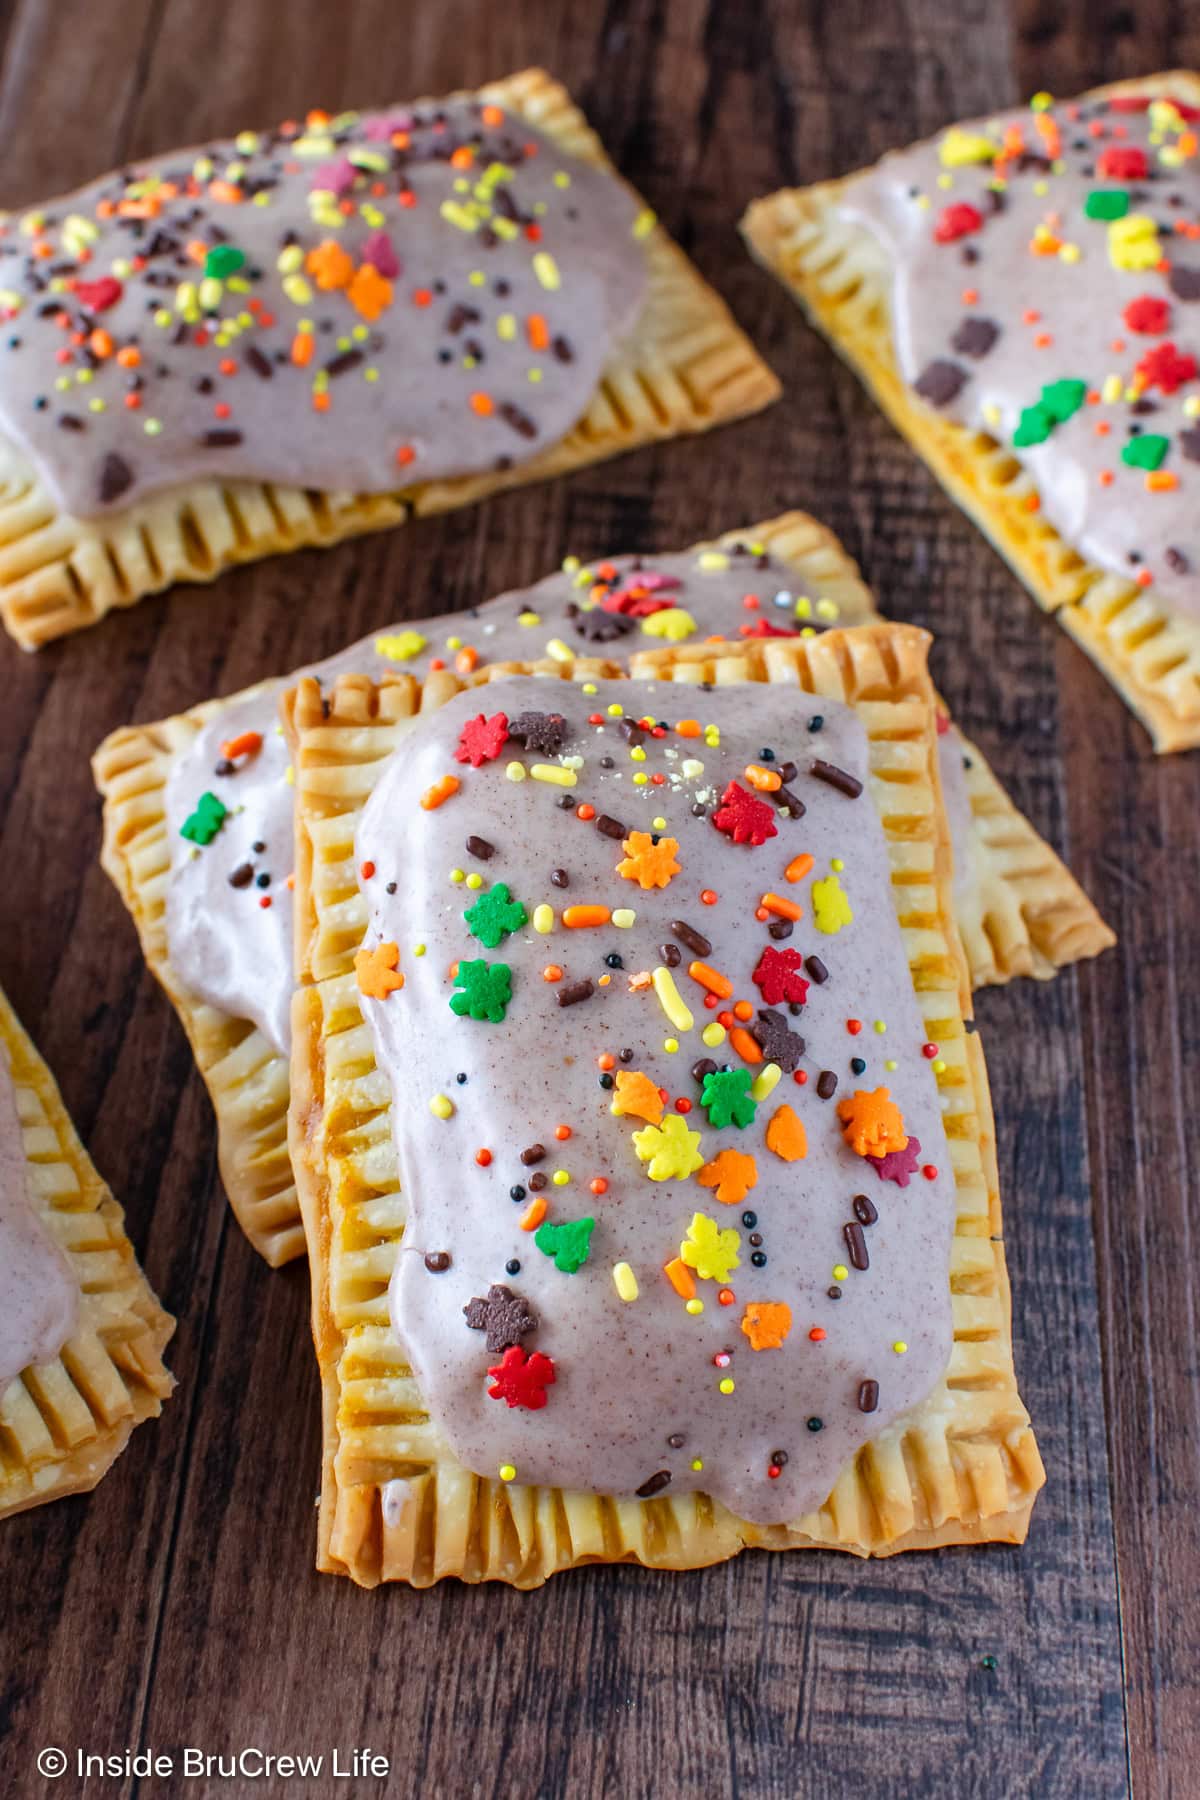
(494, 915)
(726, 1098)
(569, 1244)
(203, 825)
(1146, 451)
(1106, 203)
(483, 991)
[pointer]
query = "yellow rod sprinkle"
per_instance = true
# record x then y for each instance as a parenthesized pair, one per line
(671, 999)
(625, 1281)
(766, 1081)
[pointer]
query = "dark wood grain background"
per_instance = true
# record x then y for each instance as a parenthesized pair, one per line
(178, 1605)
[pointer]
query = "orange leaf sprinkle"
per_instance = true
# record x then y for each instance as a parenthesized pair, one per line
(377, 972)
(440, 791)
(766, 1323)
(637, 1096)
(786, 1135)
(712, 979)
(369, 293)
(329, 265)
(732, 1173)
(578, 918)
(872, 1123)
(680, 1278)
(651, 865)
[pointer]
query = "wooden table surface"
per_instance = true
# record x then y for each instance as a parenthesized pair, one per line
(178, 1604)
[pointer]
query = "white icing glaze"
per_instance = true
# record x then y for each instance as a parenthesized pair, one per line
(39, 1298)
(629, 1376)
(1058, 316)
(233, 950)
(396, 315)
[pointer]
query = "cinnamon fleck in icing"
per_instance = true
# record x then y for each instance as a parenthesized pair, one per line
(352, 303)
(1046, 288)
(637, 1205)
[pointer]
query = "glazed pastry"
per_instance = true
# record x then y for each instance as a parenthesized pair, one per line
(1018, 909)
(630, 1051)
(199, 829)
(305, 333)
(81, 1335)
(1022, 295)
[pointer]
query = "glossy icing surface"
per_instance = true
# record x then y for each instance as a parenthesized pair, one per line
(552, 1066)
(39, 1299)
(1046, 288)
(356, 303)
(229, 908)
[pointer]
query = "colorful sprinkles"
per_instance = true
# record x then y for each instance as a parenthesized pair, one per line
(720, 1017)
(409, 289)
(1075, 336)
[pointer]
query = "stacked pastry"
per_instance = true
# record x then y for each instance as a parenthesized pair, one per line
(582, 982)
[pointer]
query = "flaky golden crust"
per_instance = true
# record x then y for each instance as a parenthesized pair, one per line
(63, 1424)
(841, 276)
(395, 1505)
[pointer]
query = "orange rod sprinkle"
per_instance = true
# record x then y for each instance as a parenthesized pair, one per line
(712, 979)
(533, 1215)
(746, 1046)
(786, 909)
(247, 743)
(765, 780)
(576, 918)
(680, 1278)
(440, 791)
(799, 867)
